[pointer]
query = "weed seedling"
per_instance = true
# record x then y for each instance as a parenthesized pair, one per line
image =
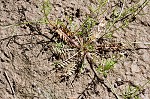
(133, 92)
(108, 65)
(82, 39)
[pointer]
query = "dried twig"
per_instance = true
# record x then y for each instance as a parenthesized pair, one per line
(8, 80)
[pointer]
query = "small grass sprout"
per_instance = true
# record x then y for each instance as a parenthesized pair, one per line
(131, 92)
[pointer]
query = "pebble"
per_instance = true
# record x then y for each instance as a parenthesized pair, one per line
(134, 67)
(146, 57)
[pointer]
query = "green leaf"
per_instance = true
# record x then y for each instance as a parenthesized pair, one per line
(80, 33)
(59, 45)
(100, 68)
(109, 64)
(46, 7)
(90, 47)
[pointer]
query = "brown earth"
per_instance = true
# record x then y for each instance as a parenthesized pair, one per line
(26, 70)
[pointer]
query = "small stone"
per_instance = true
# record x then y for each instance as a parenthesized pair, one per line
(134, 67)
(146, 57)
(119, 79)
(144, 96)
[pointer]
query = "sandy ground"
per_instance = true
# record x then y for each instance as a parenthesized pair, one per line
(25, 67)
